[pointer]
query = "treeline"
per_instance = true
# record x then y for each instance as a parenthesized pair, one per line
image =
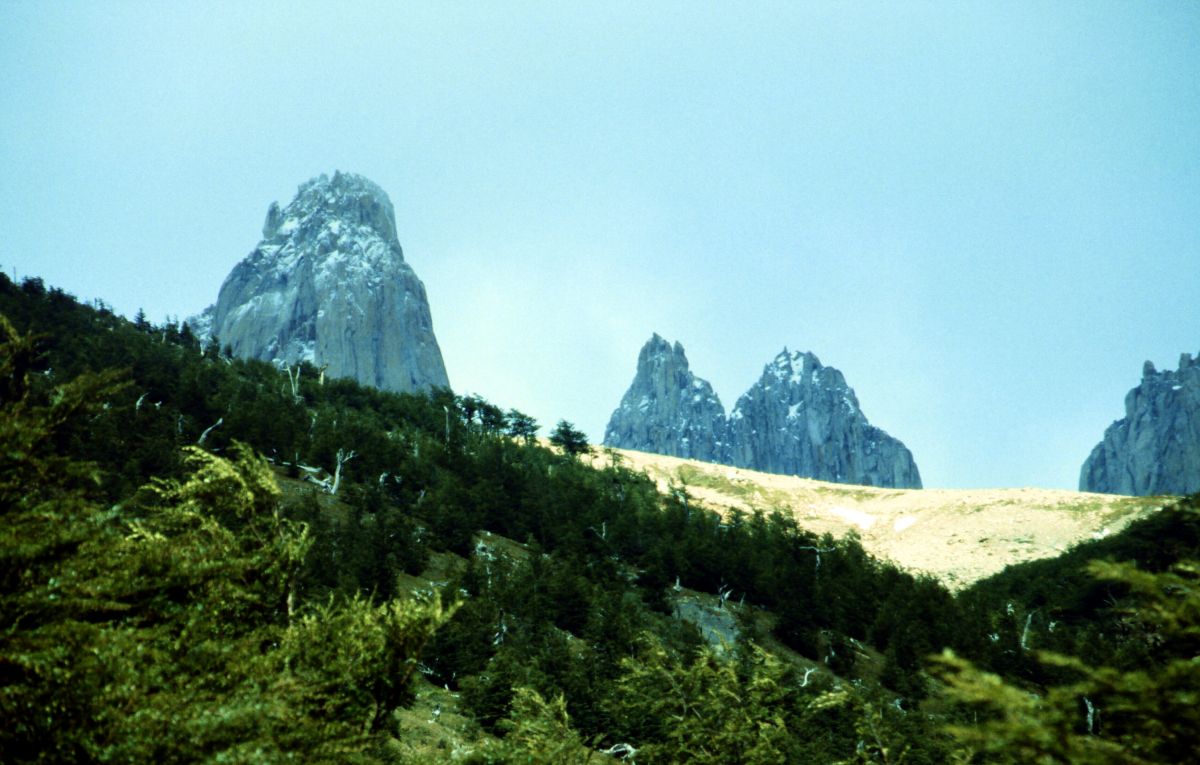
(432, 470)
(1057, 604)
(572, 640)
(169, 627)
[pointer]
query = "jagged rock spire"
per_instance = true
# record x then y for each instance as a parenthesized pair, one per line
(1155, 448)
(800, 418)
(667, 409)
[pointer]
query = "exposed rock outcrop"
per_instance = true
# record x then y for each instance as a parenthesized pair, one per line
(1155, 449)
(668, 410)
(800, 418)
(328, 284)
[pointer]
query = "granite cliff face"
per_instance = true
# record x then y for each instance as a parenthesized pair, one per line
(800, 418)
(1155, 449)
(328, 284)
(667, 409)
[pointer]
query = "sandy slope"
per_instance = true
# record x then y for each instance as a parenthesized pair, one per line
(956, 535)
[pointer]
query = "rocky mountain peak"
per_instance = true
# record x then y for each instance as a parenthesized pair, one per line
(658, 348)
(798, 370)
(799, 418)
(1155, 448)
(328, 284)
(667, 409)
(349, 198)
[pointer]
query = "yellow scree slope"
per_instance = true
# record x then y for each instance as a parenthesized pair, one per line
(956, 535)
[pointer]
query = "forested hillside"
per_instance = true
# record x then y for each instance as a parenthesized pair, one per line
(164, 601)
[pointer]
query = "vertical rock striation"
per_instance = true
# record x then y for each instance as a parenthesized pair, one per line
(328, 284)
(1155, 448)
(800, 418)
(667, 409)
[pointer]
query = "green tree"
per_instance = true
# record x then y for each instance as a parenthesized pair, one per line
(539, 732)
(167, 628)
(355, 659)
(571, 441)
(521, 425)
(702, 711)
(1103, 714)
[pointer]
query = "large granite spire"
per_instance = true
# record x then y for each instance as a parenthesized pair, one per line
(328, 284)
(1155, 448)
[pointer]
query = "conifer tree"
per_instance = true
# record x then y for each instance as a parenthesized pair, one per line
(569, 439)
(1104, 715)
(539, 732)
(702, 711)
(521, 425)
(168, 628)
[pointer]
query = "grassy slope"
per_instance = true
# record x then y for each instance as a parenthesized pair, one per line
(957, 535)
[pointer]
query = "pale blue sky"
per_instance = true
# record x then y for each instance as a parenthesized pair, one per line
(987, 215)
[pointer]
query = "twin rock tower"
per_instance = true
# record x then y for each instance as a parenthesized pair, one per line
(328, 284)
(800, 418)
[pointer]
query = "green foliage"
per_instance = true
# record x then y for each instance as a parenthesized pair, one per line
(883, 734)
(51, 674)
(572, 441)
(1103, 714)
(702, 711)
(1057, 605)
(521, 425)
(355, 659)
(751, 707)
(196, 618)
(539, 732)
(167, 628)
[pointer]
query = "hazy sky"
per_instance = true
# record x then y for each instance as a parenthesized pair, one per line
(987, 215)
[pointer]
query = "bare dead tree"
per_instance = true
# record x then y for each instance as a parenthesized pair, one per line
(624, 751)
(342, 458)
(723, 594)
(807, 672)
(1025, 632)
(501, 631)
(204, 435)
(818, 551)
(294, 379)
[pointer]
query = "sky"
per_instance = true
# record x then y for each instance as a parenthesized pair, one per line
(986, 215)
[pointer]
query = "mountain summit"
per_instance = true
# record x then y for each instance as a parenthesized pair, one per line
(668, 410)
(328, 284)
(800, 418)
(1155, 448)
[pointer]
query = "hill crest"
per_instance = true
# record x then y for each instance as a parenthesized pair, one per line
(957, 536)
